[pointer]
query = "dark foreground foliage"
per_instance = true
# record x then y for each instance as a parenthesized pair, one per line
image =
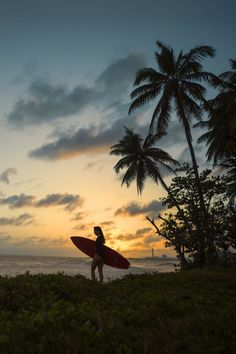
(185, 312)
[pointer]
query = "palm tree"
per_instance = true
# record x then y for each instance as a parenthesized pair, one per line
(177, 84)
(221, 136)
(143, 159)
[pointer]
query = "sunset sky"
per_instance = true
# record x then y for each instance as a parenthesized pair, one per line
(67, 70)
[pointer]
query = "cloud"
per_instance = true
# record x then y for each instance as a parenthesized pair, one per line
(133, 209)
(69, 201)
(120, 74)
(82, 141)
(87, 228)
(79, 216)
(18, 201)
(150, 240)
(32, 241)
(86, 141)
(24, 219)
(140, 233)
(107, 223)
(95, 164)
(144, 231)
(59, 241)
(81, 227)
(46, 102)
(126, 237)
(4, 176)
(99, 140)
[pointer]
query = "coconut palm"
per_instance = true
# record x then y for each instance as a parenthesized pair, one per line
(221, 136)
(143, 159)
(177, 85)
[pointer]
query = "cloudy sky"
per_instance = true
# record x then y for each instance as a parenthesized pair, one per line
(67, 70)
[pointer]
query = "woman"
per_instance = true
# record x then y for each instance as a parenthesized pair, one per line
(98, 259)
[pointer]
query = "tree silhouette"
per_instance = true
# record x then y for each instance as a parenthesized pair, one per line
(177, 84)
(221, 219)
(143, 159)
(221, 135)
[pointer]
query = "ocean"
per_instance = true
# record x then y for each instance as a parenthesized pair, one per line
(14, 265)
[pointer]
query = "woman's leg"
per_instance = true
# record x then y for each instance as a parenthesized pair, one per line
(100, 268)
(93, 267)
(95, 263)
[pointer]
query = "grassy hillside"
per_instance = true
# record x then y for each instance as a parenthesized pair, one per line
(185, 312)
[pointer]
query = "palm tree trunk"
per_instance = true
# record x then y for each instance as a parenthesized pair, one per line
(203, 227)
(195, 167)
(192, 153)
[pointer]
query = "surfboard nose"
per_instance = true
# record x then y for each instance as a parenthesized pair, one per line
(72, 238)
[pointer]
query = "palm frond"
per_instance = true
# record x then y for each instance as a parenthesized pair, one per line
(201, 124)
(149, 75)
(154, 173)
(165, 59)
(145, 89)
(204, 137)
(161, 156)
(168, 168)
(161, 115)
(194, 89)
(141, 176)
(143, 99)
(150, 140)
(130, 174)
(233, 64)
(163, 46)
(191, 106)
(152, 170)
(188, 68)
(127, 144)
(200, 52)
(179, 61)
(137, 154)
(122, 163)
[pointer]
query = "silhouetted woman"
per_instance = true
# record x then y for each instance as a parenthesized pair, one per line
(98, 259)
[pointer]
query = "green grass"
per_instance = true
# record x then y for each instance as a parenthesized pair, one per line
(185, 312)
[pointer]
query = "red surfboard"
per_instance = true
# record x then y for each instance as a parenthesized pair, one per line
(112, 258)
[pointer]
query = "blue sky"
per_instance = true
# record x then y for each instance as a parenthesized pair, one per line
(67, 69)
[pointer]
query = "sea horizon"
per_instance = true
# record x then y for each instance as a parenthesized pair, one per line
(56, 256)
(13, 265)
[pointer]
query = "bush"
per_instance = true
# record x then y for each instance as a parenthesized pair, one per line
(185, 312)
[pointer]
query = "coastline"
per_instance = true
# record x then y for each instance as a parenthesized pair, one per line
(14, 265)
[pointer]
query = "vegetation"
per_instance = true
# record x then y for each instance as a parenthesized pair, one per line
(203, 227)
(221, 236)
(221, 136)
(186, 312)
(142, 159)
(178, 84)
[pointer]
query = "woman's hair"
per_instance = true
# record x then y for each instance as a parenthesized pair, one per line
(98, 230)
